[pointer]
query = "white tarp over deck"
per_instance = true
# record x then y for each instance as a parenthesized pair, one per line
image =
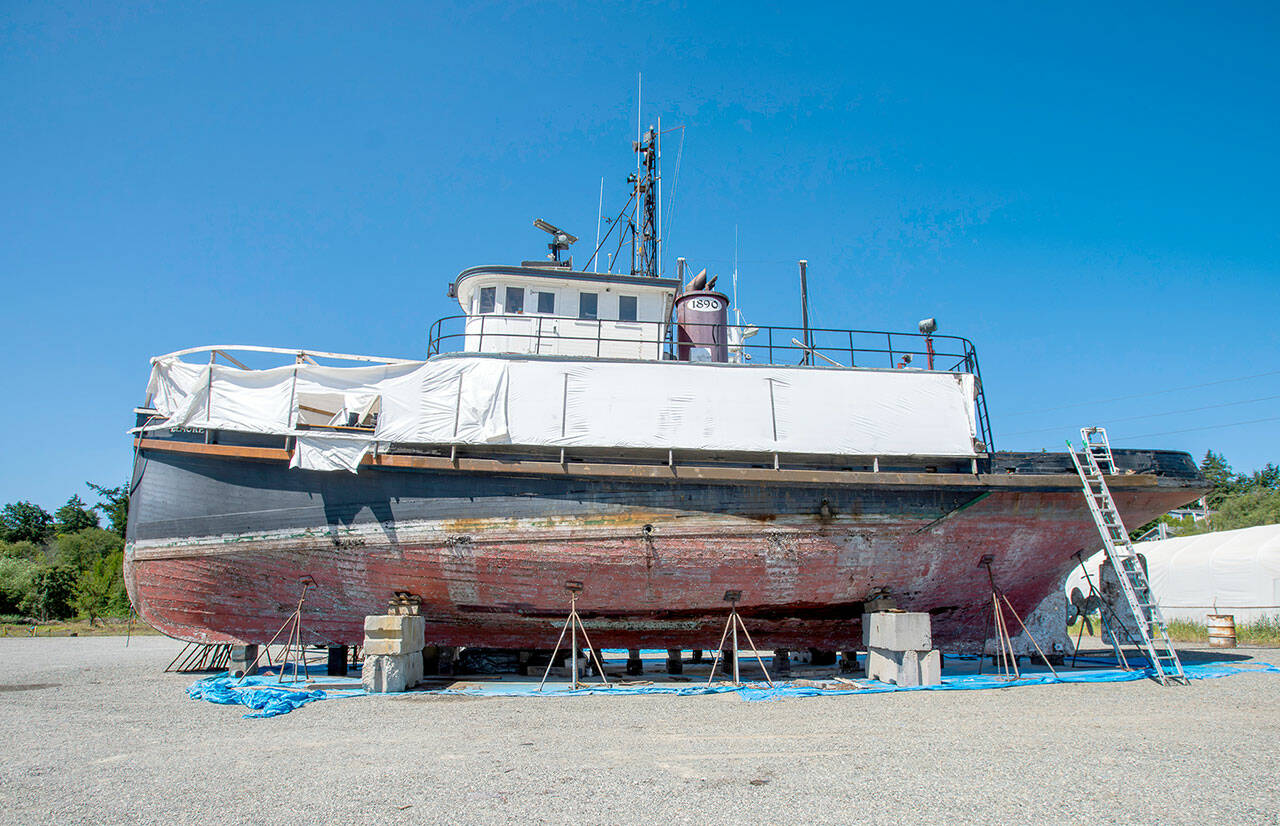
(1238, 571)
(570, 403)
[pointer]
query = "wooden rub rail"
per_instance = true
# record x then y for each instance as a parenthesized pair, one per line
(707, 473)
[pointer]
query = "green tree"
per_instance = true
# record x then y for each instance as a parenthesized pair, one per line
(82, 550)
(114, 502)
(1217, 472)
(17, 575)
(74, 516)
(52, 590)
(21, 521)
(100, 592)
(1268, 478)
(1247, 510)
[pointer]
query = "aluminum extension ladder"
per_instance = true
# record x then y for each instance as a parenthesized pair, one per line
(1093, 464)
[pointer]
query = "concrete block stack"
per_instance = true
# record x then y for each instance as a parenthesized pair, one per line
(393, 646)
(240, 659)
(900, 648)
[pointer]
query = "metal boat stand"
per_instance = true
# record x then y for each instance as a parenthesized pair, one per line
(293, 643)
(733, 625)
(294, 652)
(1003, 639)
(572, 625)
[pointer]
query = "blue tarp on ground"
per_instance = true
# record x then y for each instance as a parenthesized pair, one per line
(268, 698)
(265, 694)
(757, 691)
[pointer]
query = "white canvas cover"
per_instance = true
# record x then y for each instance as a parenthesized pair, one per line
(329, 453)
(578, 403)
(1238, 571)
(737, 407)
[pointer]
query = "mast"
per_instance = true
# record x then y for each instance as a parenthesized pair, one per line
(658, 165)
(644, 228)
(642, 215)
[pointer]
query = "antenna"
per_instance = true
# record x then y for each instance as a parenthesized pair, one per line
(638, 118)
(642, 212)
(737, 313)
(804, 310)
(658, 164)
(644, 227)
(599, 217)
(560, 240)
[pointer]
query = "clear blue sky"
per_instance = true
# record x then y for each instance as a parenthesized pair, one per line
(1088, 192)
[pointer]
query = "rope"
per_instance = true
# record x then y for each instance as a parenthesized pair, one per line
(675, 184)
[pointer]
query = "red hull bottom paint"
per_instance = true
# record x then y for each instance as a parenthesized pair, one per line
(500, 584)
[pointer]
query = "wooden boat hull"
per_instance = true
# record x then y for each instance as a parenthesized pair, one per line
(221, 541)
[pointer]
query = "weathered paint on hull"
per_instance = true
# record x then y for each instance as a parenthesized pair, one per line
(655, 559)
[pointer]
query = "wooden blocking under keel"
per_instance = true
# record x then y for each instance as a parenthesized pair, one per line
(337, 663)
(821, 656)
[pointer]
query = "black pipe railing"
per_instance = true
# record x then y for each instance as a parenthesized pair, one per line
(770, 345)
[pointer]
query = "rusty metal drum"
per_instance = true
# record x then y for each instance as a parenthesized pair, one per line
(702, 326)
(1222, 631)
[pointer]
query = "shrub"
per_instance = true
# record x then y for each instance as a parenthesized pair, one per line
(81, 550)
(100, 589)
(51, 593)
(17, 576)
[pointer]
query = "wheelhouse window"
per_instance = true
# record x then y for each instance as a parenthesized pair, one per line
(626, 308)
(587, 303)
(488, 299)
(515, 300)
(547, 303)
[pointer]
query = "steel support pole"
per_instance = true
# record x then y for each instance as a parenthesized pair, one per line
(573, 645)
(734, 620)
(804, 309)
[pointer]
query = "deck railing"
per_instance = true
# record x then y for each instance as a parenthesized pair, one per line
(529, 334)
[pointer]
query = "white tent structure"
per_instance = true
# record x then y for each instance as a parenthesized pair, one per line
(1227, 572)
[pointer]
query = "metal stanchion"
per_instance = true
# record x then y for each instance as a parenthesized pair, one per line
(732, 626)
(572, 625)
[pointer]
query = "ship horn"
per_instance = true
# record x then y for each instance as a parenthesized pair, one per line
(711, 282)
(698, 282)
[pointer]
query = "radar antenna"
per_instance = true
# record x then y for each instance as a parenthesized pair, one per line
(560, 240)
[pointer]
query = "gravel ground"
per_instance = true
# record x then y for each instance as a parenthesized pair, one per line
(96, 734)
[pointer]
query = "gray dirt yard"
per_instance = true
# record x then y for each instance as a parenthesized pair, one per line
(96, 733)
